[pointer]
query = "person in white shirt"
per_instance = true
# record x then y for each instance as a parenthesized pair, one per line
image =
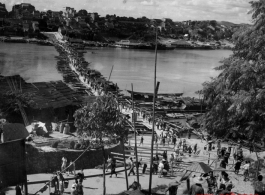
(160, 168)
(225, 180)
(246, 170)
(64, 162)
(109, 163)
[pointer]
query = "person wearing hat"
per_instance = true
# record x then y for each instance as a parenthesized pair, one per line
(173, 189)
(197, 188)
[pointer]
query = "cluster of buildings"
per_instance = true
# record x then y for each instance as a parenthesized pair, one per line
(25, 20)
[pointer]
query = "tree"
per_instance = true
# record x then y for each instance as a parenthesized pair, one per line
(9, 101)
(236, 97)
(102, 118)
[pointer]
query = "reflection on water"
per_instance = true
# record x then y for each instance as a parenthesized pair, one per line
(33, 62)
(177, 70)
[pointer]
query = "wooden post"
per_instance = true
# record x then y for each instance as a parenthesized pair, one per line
(135, 143)
(104, 178)
(257, 171)
(156, 148)
(153, 126)
(188, 184)
(125, 170)
(24, 166)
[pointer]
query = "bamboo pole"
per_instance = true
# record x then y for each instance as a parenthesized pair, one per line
(110, 72)
(257, 171)
(135, 141)
(104, 177)
(153, 126)
(124, 161)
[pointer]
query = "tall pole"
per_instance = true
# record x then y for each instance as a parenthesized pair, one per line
(104, 178)
(153, 127)
(124, 161)
(135, 143)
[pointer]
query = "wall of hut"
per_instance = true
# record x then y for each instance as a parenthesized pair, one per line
(48, 162)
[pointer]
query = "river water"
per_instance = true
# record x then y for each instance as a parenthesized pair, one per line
(177, 70)
(181, 71)
(35, 63)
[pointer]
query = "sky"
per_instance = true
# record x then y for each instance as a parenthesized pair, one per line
(178, 10)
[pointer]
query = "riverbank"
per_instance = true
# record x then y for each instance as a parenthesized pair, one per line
(164, 43)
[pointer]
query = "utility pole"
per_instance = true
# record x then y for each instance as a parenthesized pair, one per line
(153, 126)
(135, 143)
(104, 178)
(124, 161)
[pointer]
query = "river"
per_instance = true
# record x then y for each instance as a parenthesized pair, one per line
(35, 63)
(177, 70)
(181, 71)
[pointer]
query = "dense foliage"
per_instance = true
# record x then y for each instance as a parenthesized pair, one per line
(10, 102)
(102, 118)
(236, 98)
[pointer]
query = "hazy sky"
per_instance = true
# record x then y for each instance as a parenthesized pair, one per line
(178, 10)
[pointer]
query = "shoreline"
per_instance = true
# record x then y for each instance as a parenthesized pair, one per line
(224, 45)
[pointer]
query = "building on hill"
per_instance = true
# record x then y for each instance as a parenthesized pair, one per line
(27, 15)
(36, 14)
(109, 25)
(82, 12)
(83, 25)
(56, 14)
(69, 12)
(80, 19)
(35, 26)
(3, 11)
(19, 9)
(26, 26)
(93, 16)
